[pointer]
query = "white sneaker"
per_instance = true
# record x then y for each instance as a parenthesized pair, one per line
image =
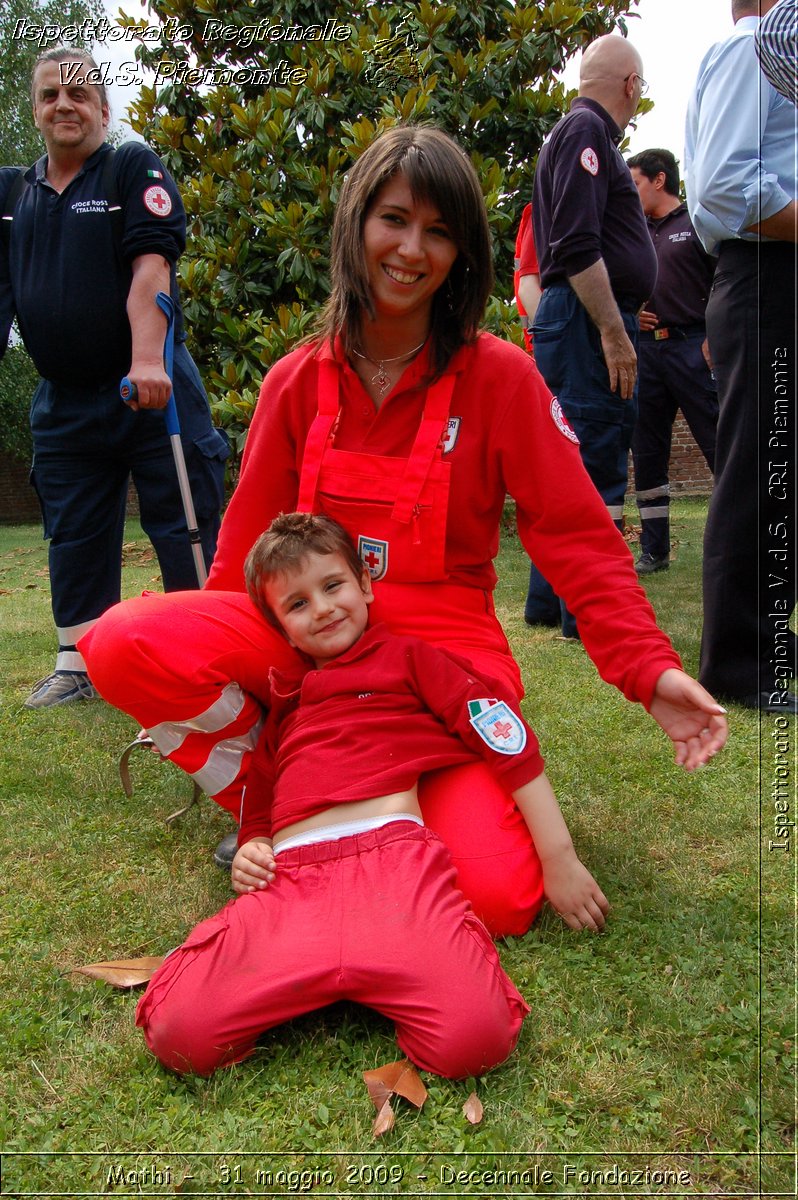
(62, 687)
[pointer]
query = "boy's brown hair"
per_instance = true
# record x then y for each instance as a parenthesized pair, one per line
(286, 545)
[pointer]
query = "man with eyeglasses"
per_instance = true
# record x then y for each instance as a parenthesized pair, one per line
(597, 267)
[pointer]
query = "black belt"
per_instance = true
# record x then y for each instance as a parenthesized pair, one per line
(672, 331)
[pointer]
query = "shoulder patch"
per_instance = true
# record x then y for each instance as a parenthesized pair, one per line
(497, 725)
(559, 419)
(589, 160)
(157, 200)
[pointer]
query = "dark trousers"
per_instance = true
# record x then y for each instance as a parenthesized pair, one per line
(569, 357)
(87, 444)
(672, 375)
(750, 539)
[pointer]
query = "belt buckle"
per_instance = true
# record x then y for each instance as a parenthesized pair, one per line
(660, 335)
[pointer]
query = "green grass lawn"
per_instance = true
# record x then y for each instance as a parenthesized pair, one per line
(665, 1045)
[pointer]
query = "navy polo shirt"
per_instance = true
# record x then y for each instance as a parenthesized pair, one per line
(685, 270)
(63, 278)
(586, 207)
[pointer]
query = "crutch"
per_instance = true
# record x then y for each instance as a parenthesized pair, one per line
(127, 391)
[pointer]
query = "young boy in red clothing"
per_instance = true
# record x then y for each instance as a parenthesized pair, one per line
(342, 891)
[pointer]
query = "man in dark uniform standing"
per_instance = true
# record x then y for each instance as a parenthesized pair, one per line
(673, 372)
(80, 269)
(597, 267)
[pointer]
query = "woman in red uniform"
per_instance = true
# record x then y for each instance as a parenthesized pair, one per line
(409, 426)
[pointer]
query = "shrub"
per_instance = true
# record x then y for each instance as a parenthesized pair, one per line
(18, 378)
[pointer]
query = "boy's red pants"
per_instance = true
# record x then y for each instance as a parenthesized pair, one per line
(192, 668)
(375, 918)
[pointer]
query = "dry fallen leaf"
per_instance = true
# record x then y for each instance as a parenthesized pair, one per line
(396, 1078)
(124, 972)
(384, 1120)
(473, 1110)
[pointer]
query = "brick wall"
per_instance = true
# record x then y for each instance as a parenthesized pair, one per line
(18, 503)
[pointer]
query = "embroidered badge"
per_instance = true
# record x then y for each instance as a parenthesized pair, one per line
(497, 725)
(155, 174)
(450, 437)
(589, 160)
(558, 417)
(374, 555)
(157, 201)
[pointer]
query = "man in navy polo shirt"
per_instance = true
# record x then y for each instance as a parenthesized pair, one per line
(597, 267)
(85, 252)
(673, 369)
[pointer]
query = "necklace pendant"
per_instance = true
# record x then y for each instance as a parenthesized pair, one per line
(381, 379)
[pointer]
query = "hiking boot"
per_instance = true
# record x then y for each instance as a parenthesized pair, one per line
(647, 564)
(62, 687)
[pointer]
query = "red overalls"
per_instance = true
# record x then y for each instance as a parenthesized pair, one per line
(192, 667)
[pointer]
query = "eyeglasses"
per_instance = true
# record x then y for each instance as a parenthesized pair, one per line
(643, 84)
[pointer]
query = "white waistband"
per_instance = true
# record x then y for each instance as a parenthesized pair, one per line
(333, 833)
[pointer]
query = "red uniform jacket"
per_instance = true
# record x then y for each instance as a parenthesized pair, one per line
(370, 723)
(505, 436)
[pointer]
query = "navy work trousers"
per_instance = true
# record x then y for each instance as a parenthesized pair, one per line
(568, 354)
(87, 443)
(672, 375)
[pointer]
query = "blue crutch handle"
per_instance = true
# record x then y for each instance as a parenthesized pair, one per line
(128, 390)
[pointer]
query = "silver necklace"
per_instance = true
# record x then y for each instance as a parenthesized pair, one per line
(382, 379)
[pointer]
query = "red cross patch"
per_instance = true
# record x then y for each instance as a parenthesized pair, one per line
(374, 555)
(559, 419)
(589, 160)
(497, 725)
(157, 201)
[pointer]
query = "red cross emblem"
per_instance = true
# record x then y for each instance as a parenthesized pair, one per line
(502, 729)
(157, 201)
(589, 160)
(374, 555)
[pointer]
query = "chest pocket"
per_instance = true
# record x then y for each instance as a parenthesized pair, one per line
(394, 509)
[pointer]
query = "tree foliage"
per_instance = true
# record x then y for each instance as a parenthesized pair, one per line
(18, 379)
(259, 157)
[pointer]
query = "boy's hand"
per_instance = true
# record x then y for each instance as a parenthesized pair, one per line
(573, 892)
(695, 723)
(253, 866)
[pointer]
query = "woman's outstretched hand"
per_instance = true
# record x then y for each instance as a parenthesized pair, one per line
(692, 719)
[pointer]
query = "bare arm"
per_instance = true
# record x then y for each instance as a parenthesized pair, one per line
(568, 885)
(592, 286)
(529, 294)
(148, 329)
(783, 225)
